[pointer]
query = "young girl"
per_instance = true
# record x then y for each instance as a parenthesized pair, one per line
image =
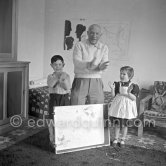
(123, 107)
(59, 88)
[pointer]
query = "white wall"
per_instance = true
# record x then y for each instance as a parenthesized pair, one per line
(147, 38)
(31, 17)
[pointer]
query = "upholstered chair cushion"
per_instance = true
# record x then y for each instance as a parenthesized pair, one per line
(159, 97)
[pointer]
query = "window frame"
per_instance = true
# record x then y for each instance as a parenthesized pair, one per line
(12, 56)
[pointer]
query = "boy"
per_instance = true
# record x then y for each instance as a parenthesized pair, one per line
(59, 88)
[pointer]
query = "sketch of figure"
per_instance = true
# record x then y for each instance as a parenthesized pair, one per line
(79, 31)
(69, 42)
(68, 29)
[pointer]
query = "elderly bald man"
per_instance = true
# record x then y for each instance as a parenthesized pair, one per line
(90, 58)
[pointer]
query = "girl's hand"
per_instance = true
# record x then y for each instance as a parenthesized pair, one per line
(130, 88)
(111, 85)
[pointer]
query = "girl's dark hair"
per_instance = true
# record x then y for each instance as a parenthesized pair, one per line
(56, 57)
(130, 71)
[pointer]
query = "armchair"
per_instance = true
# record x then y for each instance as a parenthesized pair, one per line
(152, 108)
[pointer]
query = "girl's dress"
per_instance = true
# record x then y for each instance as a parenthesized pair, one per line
(122, 106)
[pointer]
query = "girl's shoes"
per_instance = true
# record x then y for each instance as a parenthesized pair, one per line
(122, 144)
(114, 143)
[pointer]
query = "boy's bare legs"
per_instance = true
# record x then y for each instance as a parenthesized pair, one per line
(51, 131)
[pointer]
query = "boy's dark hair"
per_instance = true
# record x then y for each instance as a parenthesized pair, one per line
(56, 57)
(130, 71)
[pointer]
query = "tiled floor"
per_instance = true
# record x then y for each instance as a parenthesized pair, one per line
(153, 138)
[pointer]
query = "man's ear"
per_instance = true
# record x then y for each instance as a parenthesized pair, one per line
(63, 64)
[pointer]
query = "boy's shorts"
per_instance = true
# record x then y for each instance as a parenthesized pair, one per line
(57, 100)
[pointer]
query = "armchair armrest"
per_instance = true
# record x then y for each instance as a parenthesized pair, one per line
(144, 102)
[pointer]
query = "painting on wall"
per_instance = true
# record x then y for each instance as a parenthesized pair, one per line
(115, 34)
(80, 127)
(73, 32)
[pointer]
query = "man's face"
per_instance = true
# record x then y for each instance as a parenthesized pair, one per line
(94, 34)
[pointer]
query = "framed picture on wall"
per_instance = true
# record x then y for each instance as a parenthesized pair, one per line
(80, 127)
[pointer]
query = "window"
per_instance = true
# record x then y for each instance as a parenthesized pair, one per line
(8, 30)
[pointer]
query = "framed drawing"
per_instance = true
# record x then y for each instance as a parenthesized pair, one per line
(81, 127)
